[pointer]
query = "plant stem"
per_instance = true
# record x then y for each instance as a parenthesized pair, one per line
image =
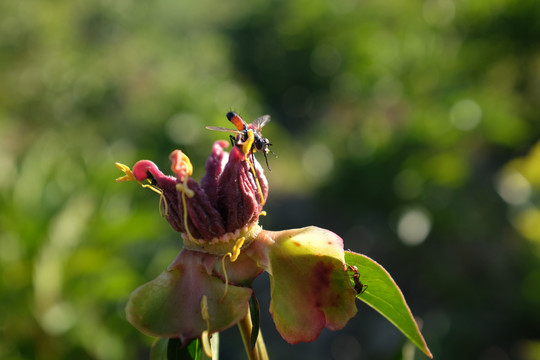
(258, 352)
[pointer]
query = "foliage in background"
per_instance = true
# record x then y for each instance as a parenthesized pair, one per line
(396, 124)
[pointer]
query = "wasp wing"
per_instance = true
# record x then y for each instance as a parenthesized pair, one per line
(219, 128)
(259, 122)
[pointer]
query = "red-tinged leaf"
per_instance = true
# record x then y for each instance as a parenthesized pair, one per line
(384, 295)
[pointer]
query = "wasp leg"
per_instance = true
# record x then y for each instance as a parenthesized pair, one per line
(266, 159)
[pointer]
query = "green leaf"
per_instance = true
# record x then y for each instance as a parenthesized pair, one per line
(255, 319)
(171, 349)
(175, 351)
(384, 295)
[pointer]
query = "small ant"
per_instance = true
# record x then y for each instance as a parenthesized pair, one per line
(358, 286)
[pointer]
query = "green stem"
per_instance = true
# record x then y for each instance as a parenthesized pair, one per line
(259, 351)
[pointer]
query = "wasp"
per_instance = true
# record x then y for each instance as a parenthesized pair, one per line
(358, 286)
(259, 143)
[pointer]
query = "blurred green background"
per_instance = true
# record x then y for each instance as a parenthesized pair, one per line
(410, 128)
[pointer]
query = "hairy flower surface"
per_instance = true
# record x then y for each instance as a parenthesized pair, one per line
(229, 198)
(207, 288)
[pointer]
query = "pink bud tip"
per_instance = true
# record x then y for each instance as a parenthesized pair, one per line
(143, 167)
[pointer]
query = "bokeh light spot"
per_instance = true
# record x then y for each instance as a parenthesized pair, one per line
(413, 226)
(184, 128)
(513, 187)
(58, 319)
(527, 223)
(465, 115)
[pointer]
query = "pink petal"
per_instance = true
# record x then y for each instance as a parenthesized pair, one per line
(170, 305)
(310, 286)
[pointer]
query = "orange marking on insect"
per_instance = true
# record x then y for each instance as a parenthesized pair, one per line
(236, 120)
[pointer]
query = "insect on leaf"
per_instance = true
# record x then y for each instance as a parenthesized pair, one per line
(383, 295)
